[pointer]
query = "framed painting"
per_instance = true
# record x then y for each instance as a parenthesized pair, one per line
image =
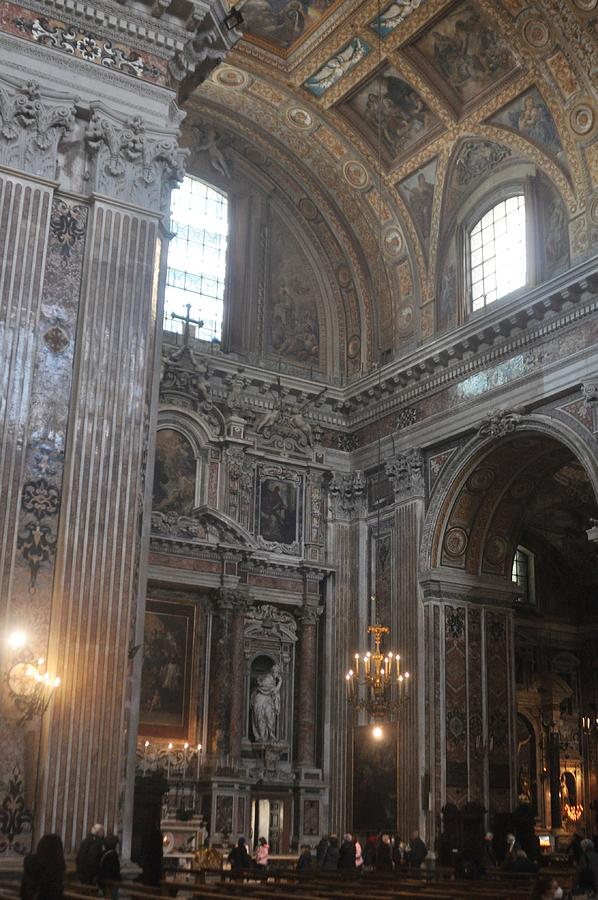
(375, 779)
(278, 510)
(166, 674)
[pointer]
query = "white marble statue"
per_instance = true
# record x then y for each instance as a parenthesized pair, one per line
(265, 705)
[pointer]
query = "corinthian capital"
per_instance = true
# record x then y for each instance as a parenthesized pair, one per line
(406, 471)
(129, 163)
(31, 125)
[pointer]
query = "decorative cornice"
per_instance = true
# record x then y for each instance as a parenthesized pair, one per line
(484, 341)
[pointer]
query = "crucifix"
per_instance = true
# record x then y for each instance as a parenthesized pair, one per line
(188, 321)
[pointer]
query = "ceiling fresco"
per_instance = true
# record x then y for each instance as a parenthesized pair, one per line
(392, 115)
(389, 108)
(463, 55)
(282, 23)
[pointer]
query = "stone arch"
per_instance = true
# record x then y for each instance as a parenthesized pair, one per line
(473, 499)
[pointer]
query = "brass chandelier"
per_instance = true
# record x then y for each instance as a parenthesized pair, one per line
(376, 683)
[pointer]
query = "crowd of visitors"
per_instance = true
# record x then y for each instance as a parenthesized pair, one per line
(97, 864)
(379, 853)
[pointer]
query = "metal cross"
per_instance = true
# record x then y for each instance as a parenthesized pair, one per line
(188, 321)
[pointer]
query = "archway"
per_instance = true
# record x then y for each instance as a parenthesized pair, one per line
(509, 579)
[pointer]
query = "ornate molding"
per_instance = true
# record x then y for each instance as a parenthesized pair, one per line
(128, 163)
(498, 423)
(589, 392)
(308, 614)
(406, 471)
(31, 126)
(205, 50)
(266, 620)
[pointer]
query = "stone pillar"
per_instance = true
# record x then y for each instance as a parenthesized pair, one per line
(406, 471)
(84, 186)
(237, 675)
(306, 690)
(347, 494)
(221, 673)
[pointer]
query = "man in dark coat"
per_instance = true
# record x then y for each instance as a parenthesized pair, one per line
(109, 867)
(346, 856)
(418, 851)
(89, 855)
(239, 858)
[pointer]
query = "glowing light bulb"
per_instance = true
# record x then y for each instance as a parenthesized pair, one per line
(56, 682)
(377, 732)
(185, 746)
(146, 744)
(170, 745)
(17, 639)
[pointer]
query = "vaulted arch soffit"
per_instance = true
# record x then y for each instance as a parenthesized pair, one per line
(473, 522)
(523, 82)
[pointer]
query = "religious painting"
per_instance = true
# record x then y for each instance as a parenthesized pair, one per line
(224, 814)
(375, 779)
(292, 319)
(418, 193)
(464, 52)
(529, 116)
(337, 66)
(392, 16)
(166, 674)
(175, 470)
(278, 510)
(386, 105)
(282, 22)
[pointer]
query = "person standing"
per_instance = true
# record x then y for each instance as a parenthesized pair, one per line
(384, 854)
(239, 858)
(346, 856)
(330, 860)
(90, 854)
(418, 851)
(261, 854)
(43, 871)
(358, 857)
(109, 869)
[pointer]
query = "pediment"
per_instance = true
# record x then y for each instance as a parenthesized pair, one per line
(222, 529)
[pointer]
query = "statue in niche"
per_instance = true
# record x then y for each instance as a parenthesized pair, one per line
(265, 705)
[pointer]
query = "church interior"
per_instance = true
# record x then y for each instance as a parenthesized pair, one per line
(299, 421)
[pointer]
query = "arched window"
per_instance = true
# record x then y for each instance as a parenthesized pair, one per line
(197, 258)
(524, 576)
(497, 252)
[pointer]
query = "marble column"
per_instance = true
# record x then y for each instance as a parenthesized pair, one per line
(221, 674)
(347, 511)
(98, 595)
(406, 472)
(237, 675)
(306, 691)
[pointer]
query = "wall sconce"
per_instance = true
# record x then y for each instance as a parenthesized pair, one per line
(234, 19)
(30, 686)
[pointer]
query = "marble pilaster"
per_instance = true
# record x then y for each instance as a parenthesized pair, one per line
(406, 473)
(306, 690)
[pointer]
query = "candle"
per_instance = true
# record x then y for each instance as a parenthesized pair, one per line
(168, 761)
(198, 759)
(398, 659)
(406, 683)
(357, 664)
(145, 746)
